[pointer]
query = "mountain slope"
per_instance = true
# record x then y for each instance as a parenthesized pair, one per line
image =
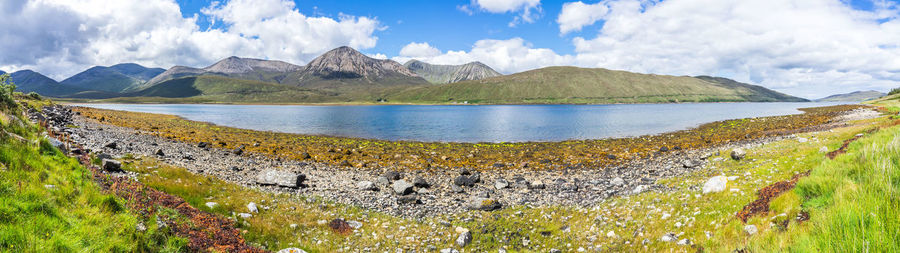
(583, 85)
(235, 67)
(440, 74)
(751, 92)
(855, 96)
(116, 78)
(29, 81)
(212, 88)
(346, 66)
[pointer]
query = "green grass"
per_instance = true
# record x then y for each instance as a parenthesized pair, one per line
(50, 203)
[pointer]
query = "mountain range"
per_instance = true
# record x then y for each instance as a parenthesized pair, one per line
(346, 75)
(856, 96)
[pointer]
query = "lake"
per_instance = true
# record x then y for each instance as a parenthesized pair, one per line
(469, 123)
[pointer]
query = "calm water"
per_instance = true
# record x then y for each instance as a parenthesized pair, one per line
(484, 123)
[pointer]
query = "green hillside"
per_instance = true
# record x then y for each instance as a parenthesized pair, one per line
(223, 89)
(582, 85)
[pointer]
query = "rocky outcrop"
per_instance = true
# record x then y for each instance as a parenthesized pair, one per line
(439, 74)
(347, 63)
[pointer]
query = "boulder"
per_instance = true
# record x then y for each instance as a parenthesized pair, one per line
(738, 154)
(420, 182)
(392, 175)
(501, 184)
(159, 152)
(408, 199)
(463, 180)
(464, 239)
(402, 187)
(484, 204)
(715, 184)
(536, 184)
(112, 145)
(280, 178)
(291, 250)
(382, 181)
(366, 186)
(750, 229)
(111, 165)
(688, 164)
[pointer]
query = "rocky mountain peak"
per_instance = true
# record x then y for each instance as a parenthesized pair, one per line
(346, 62)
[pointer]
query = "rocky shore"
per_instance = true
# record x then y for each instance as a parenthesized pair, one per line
(408, 193)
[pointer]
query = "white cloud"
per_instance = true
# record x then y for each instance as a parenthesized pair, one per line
(803, 47)
(506, 56)
(63, 37)
(528, 10)
(419, 50)
(576, 15)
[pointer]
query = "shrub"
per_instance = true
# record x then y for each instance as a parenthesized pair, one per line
(34, 95)
(894, 91)
(6, 92)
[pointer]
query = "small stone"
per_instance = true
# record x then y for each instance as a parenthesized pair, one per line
(140, 227)
(670, 237)
(456, 188)
(750, 229)
(684, 241)
(112, 145)
(346, 163)
(354, 224)
(245, 215)
(448, 250)
(291, 250)
(252, 207)
(618, 181)
(611, 234)
(211, 205)
(111, 165)
(159, 152)
(802, 140)
(555, 251)
(738, 154)
(305, 156)
(366, 186)
(536, 184)
(501, 184)
(293, 226)
(663, 149)
(715, 184)
(408, 199)
(402, 187)
(823, 149)
(687, 164)
(464, 239)
(382, 181)
(639, 189)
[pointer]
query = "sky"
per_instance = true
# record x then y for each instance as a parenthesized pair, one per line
(806, 48)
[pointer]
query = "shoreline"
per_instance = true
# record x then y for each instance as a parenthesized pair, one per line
(566, 186)
(76, 101)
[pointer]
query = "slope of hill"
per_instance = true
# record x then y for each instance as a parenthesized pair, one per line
(235, 67)
(441, 74)
(856, 96)
(582, 85)
(346, 66)
(751, 92)
(116, 78)
(29, 81)
(211, 88)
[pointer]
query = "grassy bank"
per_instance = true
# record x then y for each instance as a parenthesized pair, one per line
(433, 155)
(50, 203)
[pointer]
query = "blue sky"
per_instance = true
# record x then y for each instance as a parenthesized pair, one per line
(808, 48)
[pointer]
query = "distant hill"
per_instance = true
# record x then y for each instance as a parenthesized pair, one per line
(235, 67)
(346, 66)
(116, 78)
(856, 96)
(211, 88)
(29, 81)
(586, 85)
(440, 74)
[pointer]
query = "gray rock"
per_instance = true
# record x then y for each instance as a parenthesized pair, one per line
(245, 215)
(402, 187)
(687, 163)
(140, 227)
(750, 229)
(536, 184)
(211, 205)
(501, 184)
(420, 182)
(291, 250)
(618, 181)
(463, 180)
(449, 250)
(280, 178)
(456, 188)
(669, 237)
(111, 165)
(684, 241)
(366, 186)
(555, 251)
(382, 181)
(464, 239)
(738, 154)
(354, 224)
(484, 204)
(639, 189)
(252, 207)
(112, 145)
(392, 175)
(715, 184)
(408, 199)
